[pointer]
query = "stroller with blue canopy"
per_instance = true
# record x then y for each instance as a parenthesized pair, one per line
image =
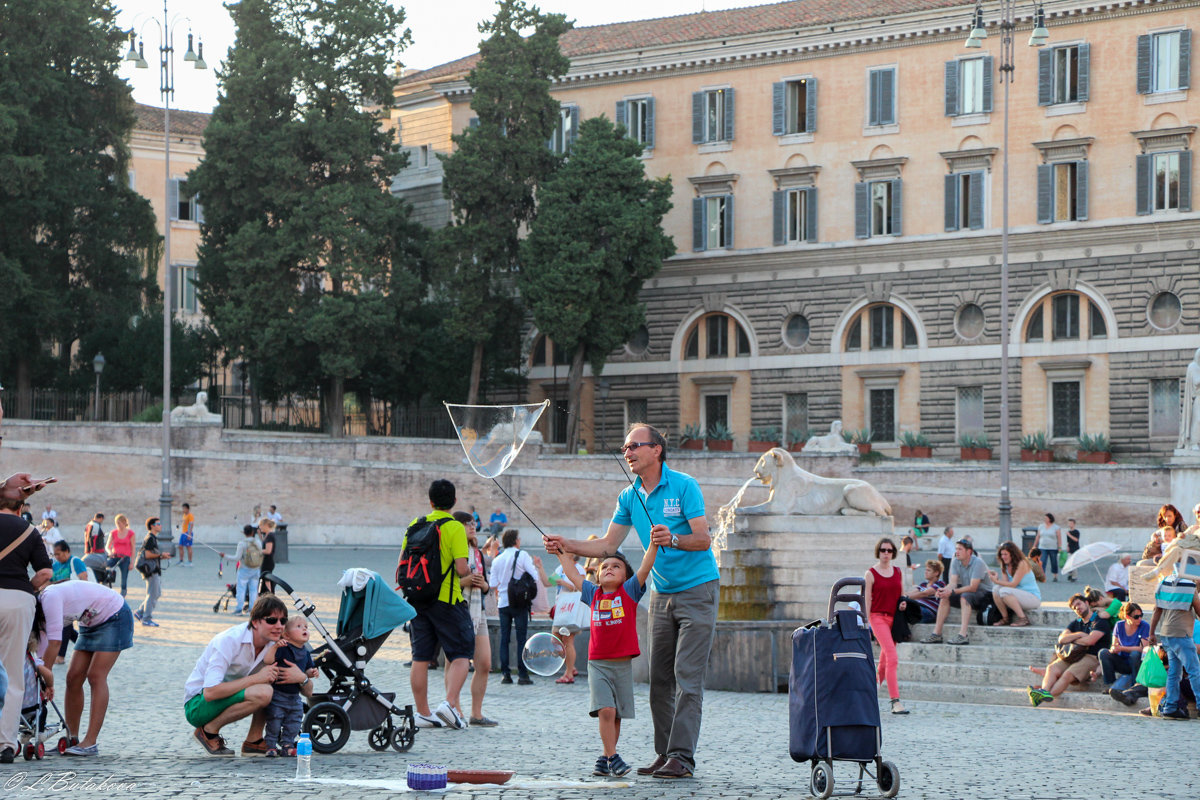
(366, 617)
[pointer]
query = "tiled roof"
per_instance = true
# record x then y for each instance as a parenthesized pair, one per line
(707, 25)
(185, 123)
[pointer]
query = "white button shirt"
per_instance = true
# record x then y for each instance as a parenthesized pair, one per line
(229, 656)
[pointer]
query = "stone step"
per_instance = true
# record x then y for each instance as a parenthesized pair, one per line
(1081, 700)
(970, 654)
(1010, 675)
(1033, 636)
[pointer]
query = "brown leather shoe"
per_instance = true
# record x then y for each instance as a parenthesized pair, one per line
(674, 768)
(650, 769)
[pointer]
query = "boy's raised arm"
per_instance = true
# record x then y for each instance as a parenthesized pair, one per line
(643, 572)
(570, 571)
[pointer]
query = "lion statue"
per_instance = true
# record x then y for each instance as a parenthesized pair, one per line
(797, 491)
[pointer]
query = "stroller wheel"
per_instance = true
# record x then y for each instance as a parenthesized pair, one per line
(217, 607)
(29, 751)
(379, 738)
(821, 781)
(888, 779)
(403, 735)
(41, 751)
(63, 744)
(328, 725)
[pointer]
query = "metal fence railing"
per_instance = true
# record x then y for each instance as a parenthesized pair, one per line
(65, 406)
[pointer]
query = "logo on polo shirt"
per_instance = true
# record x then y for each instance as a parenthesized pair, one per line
(672, 507)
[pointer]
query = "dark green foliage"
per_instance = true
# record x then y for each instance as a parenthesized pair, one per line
(77, 245)
(308, 265)
(496, 167)
(133, 355)
(596, 239)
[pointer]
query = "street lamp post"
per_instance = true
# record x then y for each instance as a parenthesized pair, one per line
(1007, 9)
(166, 87)
(98, 365)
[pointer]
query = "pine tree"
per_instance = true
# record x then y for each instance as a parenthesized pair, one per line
(496, 167)
(307, 262)
(596, 239)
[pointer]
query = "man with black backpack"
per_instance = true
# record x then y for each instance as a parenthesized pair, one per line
(431, 571)
(514, 576)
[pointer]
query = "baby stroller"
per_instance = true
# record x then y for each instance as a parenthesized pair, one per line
(222, 603)
(98, 563)
(833, 700)
(33, 732)
(365, 618)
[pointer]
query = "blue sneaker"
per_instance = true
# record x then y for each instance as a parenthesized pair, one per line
(138, 615)
(150, 623)
(617, 766)
(602, 769)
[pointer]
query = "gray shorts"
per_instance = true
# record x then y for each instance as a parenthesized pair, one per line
(610, 684)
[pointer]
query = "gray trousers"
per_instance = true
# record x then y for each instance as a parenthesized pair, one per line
(682, 625)
(153, 592)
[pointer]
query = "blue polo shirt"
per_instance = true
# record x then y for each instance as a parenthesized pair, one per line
(675, 500)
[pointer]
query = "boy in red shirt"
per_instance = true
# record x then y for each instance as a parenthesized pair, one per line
(613, 645)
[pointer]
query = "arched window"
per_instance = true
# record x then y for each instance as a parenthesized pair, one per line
(1065, 316)
(874, 328)
(546, 352)
(716, 335)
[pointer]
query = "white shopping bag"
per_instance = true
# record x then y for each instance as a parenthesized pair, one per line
(571, 613)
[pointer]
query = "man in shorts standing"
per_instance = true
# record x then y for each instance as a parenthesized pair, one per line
(444, 623)
(186, 533)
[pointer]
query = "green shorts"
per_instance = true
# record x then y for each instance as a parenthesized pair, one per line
(200, 712)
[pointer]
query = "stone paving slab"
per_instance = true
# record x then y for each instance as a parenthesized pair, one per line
(943, 750)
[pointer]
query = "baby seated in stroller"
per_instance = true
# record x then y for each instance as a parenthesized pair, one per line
(39, 692)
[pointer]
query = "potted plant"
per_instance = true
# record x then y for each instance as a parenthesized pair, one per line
(763, 439)
(797, 437)
(974, 448)
(1035, 448)
(861, 437)
(719, 437)
(1094, 449)
(691, 438)
(914, 444)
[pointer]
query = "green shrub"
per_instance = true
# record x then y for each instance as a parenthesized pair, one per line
(766, 434)
(719, 432)
(799, 435)
(151, 414)
(691, 433)
(1034, 441)
(1094, 444)
(861, 436)
(914, 439)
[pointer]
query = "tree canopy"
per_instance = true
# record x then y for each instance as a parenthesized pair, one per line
(497, 165)
(77, 245)
(308, 263)
(596, 239)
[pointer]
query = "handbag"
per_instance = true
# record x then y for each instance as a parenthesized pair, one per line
(1070, 653)
(571, 613)
(522, 590)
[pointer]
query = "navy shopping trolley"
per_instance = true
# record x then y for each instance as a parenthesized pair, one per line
(833, 702)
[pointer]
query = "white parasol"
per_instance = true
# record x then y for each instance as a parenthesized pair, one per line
(1089, 554)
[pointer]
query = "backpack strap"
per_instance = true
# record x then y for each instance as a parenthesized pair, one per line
(15, 543)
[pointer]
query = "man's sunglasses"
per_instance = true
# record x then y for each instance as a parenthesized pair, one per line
(625, 448)
(275, 620)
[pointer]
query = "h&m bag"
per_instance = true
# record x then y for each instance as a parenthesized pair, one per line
(253, 557)
(419, 574)
(571, 613)
(521, 590)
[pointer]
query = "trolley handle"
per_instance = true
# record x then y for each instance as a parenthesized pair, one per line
(836, 596)
(273, 578)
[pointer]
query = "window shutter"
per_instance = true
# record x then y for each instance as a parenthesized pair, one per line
(728, 222)
(574, 127)
(621, 113)
(778, 107)
(173, 199)
(199, 210)
(1081, 190)
(952, 88)
(1145, 180)
(1143, 64)
(897, 208)
(873, 98)
(1045, 193)
(728, 115)
(698, 225)
(1185, 58)
(698, 117)
(1185, 180)
(987, 84)
(810, 214)
(975, 201)
(1084, 78)
(473, 122)
(887, 97)
(1045, 67)
(951, 202)
(810, 93)
(650, 123)
(779, 216)
(862, 219)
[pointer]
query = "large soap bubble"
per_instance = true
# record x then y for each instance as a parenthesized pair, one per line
(492, 436)
(544, 654)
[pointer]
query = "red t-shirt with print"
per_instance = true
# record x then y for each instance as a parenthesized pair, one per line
(614, 619)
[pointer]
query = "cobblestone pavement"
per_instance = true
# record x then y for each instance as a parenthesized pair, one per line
(942, 750)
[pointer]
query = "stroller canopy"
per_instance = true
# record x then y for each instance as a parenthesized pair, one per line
(374, 610)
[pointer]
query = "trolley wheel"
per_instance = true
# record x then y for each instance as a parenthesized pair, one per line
(821, 781)
(63, 744)
(41, 751)
(888, 779)
(216, 607)
(328, 725)
(28, 752)
(403, 736)
(379, 738)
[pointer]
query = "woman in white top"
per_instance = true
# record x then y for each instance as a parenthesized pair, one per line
(105, 629)
(1050, 542)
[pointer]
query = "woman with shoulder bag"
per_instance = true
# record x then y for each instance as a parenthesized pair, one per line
(884, 586)
(120, 549)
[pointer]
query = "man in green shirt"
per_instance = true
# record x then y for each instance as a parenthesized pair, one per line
(444, 623)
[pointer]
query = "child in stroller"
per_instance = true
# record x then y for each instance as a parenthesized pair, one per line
(33, 732)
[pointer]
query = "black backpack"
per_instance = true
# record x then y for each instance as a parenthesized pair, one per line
(419, 574)
(522, 590)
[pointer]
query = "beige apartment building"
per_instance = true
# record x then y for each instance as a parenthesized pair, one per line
(837, 215)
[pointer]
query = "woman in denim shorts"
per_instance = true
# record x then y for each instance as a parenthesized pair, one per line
(105, 629)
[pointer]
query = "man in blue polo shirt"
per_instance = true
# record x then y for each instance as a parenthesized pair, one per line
(667, 508)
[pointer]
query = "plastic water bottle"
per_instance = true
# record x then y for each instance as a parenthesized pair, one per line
(304, 758)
